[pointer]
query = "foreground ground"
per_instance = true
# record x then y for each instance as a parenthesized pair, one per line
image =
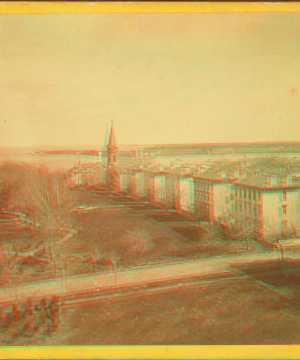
(251, 305)
(249, 302)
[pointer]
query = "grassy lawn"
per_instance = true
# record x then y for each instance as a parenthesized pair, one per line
(249, 310)
(226, 313)
(169, 217)
(109, 229)
(198, 245)
(15, 240)
(283, 275)
(219, 310)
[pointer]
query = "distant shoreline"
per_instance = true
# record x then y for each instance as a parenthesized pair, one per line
(77, 147)
(242, 148)
(192, 149)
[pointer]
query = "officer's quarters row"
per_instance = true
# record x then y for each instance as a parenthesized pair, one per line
(269, 204)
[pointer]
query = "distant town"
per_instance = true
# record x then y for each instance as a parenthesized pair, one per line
(191, 244)
(247, 187)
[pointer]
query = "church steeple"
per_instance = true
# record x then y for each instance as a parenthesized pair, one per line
(104, 148)
(111, 146)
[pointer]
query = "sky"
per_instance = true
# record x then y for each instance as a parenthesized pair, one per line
(162, 78)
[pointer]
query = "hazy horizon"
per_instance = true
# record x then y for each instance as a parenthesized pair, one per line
(165, 79)
(96, 146)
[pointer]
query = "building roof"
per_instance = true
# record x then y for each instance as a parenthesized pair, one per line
(139, 166)
(90, 167)
(261, 183)
(213, 176)
(181, 171)
(156, 168)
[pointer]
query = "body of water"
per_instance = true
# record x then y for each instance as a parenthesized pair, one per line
(67, 161)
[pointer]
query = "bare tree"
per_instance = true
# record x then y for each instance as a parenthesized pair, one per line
(9, 266)
(248, 232)
(11, 181)
(112, 260)
(64, 272)
(295, 218)
(274, 238)
(213, 233)
(139, 242)
(49, 205)
(95, 255)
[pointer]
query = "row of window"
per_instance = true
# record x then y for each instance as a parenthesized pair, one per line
(203, 186)
(245, 194)
(246, 208)
(202, 197)
(203, 209)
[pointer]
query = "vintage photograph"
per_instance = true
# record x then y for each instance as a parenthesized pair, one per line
(150, 179)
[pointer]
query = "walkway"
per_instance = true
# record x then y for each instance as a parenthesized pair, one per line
(144, 275)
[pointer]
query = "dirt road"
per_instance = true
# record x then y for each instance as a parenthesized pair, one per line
(143, 275)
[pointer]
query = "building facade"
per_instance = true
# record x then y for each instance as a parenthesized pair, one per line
(269, 205)
(88, 175)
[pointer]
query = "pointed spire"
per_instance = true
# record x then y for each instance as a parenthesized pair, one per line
(112, 139)
(105, 139)
(103, 153)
